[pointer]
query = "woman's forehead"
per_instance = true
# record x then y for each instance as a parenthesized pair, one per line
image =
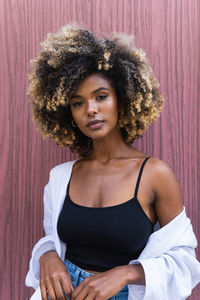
(93, 83)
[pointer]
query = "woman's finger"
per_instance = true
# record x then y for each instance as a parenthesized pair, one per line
(68, 288)
(43, 292)
(51, 292)
(91, 295)
(59, 291)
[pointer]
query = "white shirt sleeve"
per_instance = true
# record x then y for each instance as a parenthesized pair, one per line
(46, 243)
(172, 273)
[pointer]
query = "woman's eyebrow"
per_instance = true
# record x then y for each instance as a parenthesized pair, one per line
(95, 91)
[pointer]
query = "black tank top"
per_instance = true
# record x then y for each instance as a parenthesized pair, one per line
(101, 238)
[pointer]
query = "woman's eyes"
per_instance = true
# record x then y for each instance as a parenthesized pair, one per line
(102, 96)
(74, 104)
(78, 103)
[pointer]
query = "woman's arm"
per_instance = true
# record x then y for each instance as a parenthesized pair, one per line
(168, 198)
(171, 269)
(134, 274)
(168, 204)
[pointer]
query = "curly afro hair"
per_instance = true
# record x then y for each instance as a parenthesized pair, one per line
(69, 56)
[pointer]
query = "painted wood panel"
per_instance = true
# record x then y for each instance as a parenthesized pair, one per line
(169, 33)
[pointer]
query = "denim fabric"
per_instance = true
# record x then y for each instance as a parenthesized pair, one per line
(77, 275)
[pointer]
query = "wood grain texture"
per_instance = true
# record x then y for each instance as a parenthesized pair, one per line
(168, 31)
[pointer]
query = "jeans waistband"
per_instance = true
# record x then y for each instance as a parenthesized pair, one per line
(73, 268)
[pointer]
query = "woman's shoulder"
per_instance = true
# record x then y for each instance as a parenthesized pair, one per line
(155, 164)
(62, 168)
(162, 169)
(167, 190)
(163, 177)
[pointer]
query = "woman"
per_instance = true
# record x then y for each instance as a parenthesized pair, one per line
(97, 96)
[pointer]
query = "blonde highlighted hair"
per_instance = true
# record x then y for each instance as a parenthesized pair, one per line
(69, 56)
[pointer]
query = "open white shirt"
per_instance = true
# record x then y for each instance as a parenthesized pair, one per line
(169, 261)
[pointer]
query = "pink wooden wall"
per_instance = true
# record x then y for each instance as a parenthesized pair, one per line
(168, 32)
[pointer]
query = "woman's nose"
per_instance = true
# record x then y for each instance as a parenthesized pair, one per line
(92, 107)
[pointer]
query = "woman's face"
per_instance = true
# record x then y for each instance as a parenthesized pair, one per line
(95, 99)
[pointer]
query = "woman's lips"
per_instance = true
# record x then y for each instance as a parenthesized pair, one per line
(96, 125)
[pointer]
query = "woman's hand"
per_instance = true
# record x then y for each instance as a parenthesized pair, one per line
(103, 285)
(54, 277)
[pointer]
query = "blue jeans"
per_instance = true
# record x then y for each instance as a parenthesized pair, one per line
(77, 275)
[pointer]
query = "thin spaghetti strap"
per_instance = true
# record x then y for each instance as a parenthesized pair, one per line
(139, 176)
